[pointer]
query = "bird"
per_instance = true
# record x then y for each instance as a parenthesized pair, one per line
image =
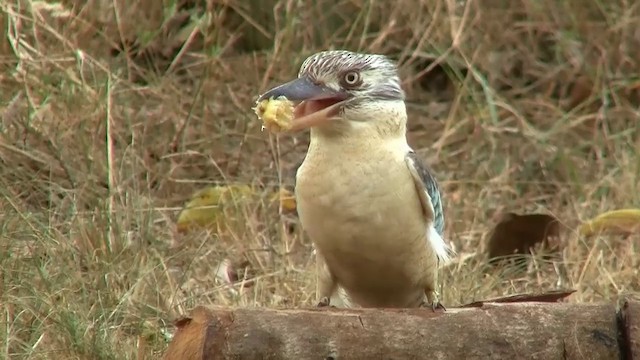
(371, 208)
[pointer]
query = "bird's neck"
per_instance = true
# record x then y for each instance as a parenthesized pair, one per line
(356, 138)
(377, 125)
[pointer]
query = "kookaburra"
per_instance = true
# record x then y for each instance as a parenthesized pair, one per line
(371, 208)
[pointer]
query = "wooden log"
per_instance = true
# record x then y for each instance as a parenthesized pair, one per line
(630, 328)
(491, 331)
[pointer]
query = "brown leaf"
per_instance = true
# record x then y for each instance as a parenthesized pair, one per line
(518, 234)
(581, 90)
(232, 272)
(550, 296)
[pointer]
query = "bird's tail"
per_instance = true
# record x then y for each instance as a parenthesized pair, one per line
(443, 251)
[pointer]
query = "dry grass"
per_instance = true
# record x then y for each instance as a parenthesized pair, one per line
(531, 106)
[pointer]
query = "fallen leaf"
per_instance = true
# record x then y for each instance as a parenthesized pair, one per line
(286, 198)
(217, 206)
(581, 90)
(230, 272)
(518, 234)
(549, 297)
(208, 208)
(624, 221)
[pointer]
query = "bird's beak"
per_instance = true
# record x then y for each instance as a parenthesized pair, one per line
(317, 104)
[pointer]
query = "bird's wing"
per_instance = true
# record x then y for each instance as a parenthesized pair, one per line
(428, 189)
(429, 193)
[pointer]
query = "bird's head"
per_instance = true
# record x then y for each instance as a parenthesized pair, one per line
(342, 91)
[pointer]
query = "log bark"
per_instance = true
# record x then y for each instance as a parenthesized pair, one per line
(629, 323)
(529, 330)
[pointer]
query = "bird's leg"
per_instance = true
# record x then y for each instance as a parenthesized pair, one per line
(434, 306)
(326, 283)
(324, 302)
(432, 301)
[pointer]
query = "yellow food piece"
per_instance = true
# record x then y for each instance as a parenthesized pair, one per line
(276, 114)
(623, 221)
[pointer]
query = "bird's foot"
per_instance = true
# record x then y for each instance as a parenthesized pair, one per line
(434, 305)
(325, 302)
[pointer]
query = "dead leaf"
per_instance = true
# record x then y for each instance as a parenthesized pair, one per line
(216, 207)
(581, 90)
(549, 297)
(624, 221)
(287, 199)
(518, 234)
(230, 272)
(209, 207)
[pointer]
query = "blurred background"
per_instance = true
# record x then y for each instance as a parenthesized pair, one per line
(118, 118)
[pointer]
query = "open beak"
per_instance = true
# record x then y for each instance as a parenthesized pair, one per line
(317, 104)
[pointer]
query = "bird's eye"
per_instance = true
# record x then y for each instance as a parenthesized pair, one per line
(351, 79)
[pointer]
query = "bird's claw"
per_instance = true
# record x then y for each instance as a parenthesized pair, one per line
(324, 302)
(434, 305)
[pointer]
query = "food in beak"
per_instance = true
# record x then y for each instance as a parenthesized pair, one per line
(276, 114)
(280, 114)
